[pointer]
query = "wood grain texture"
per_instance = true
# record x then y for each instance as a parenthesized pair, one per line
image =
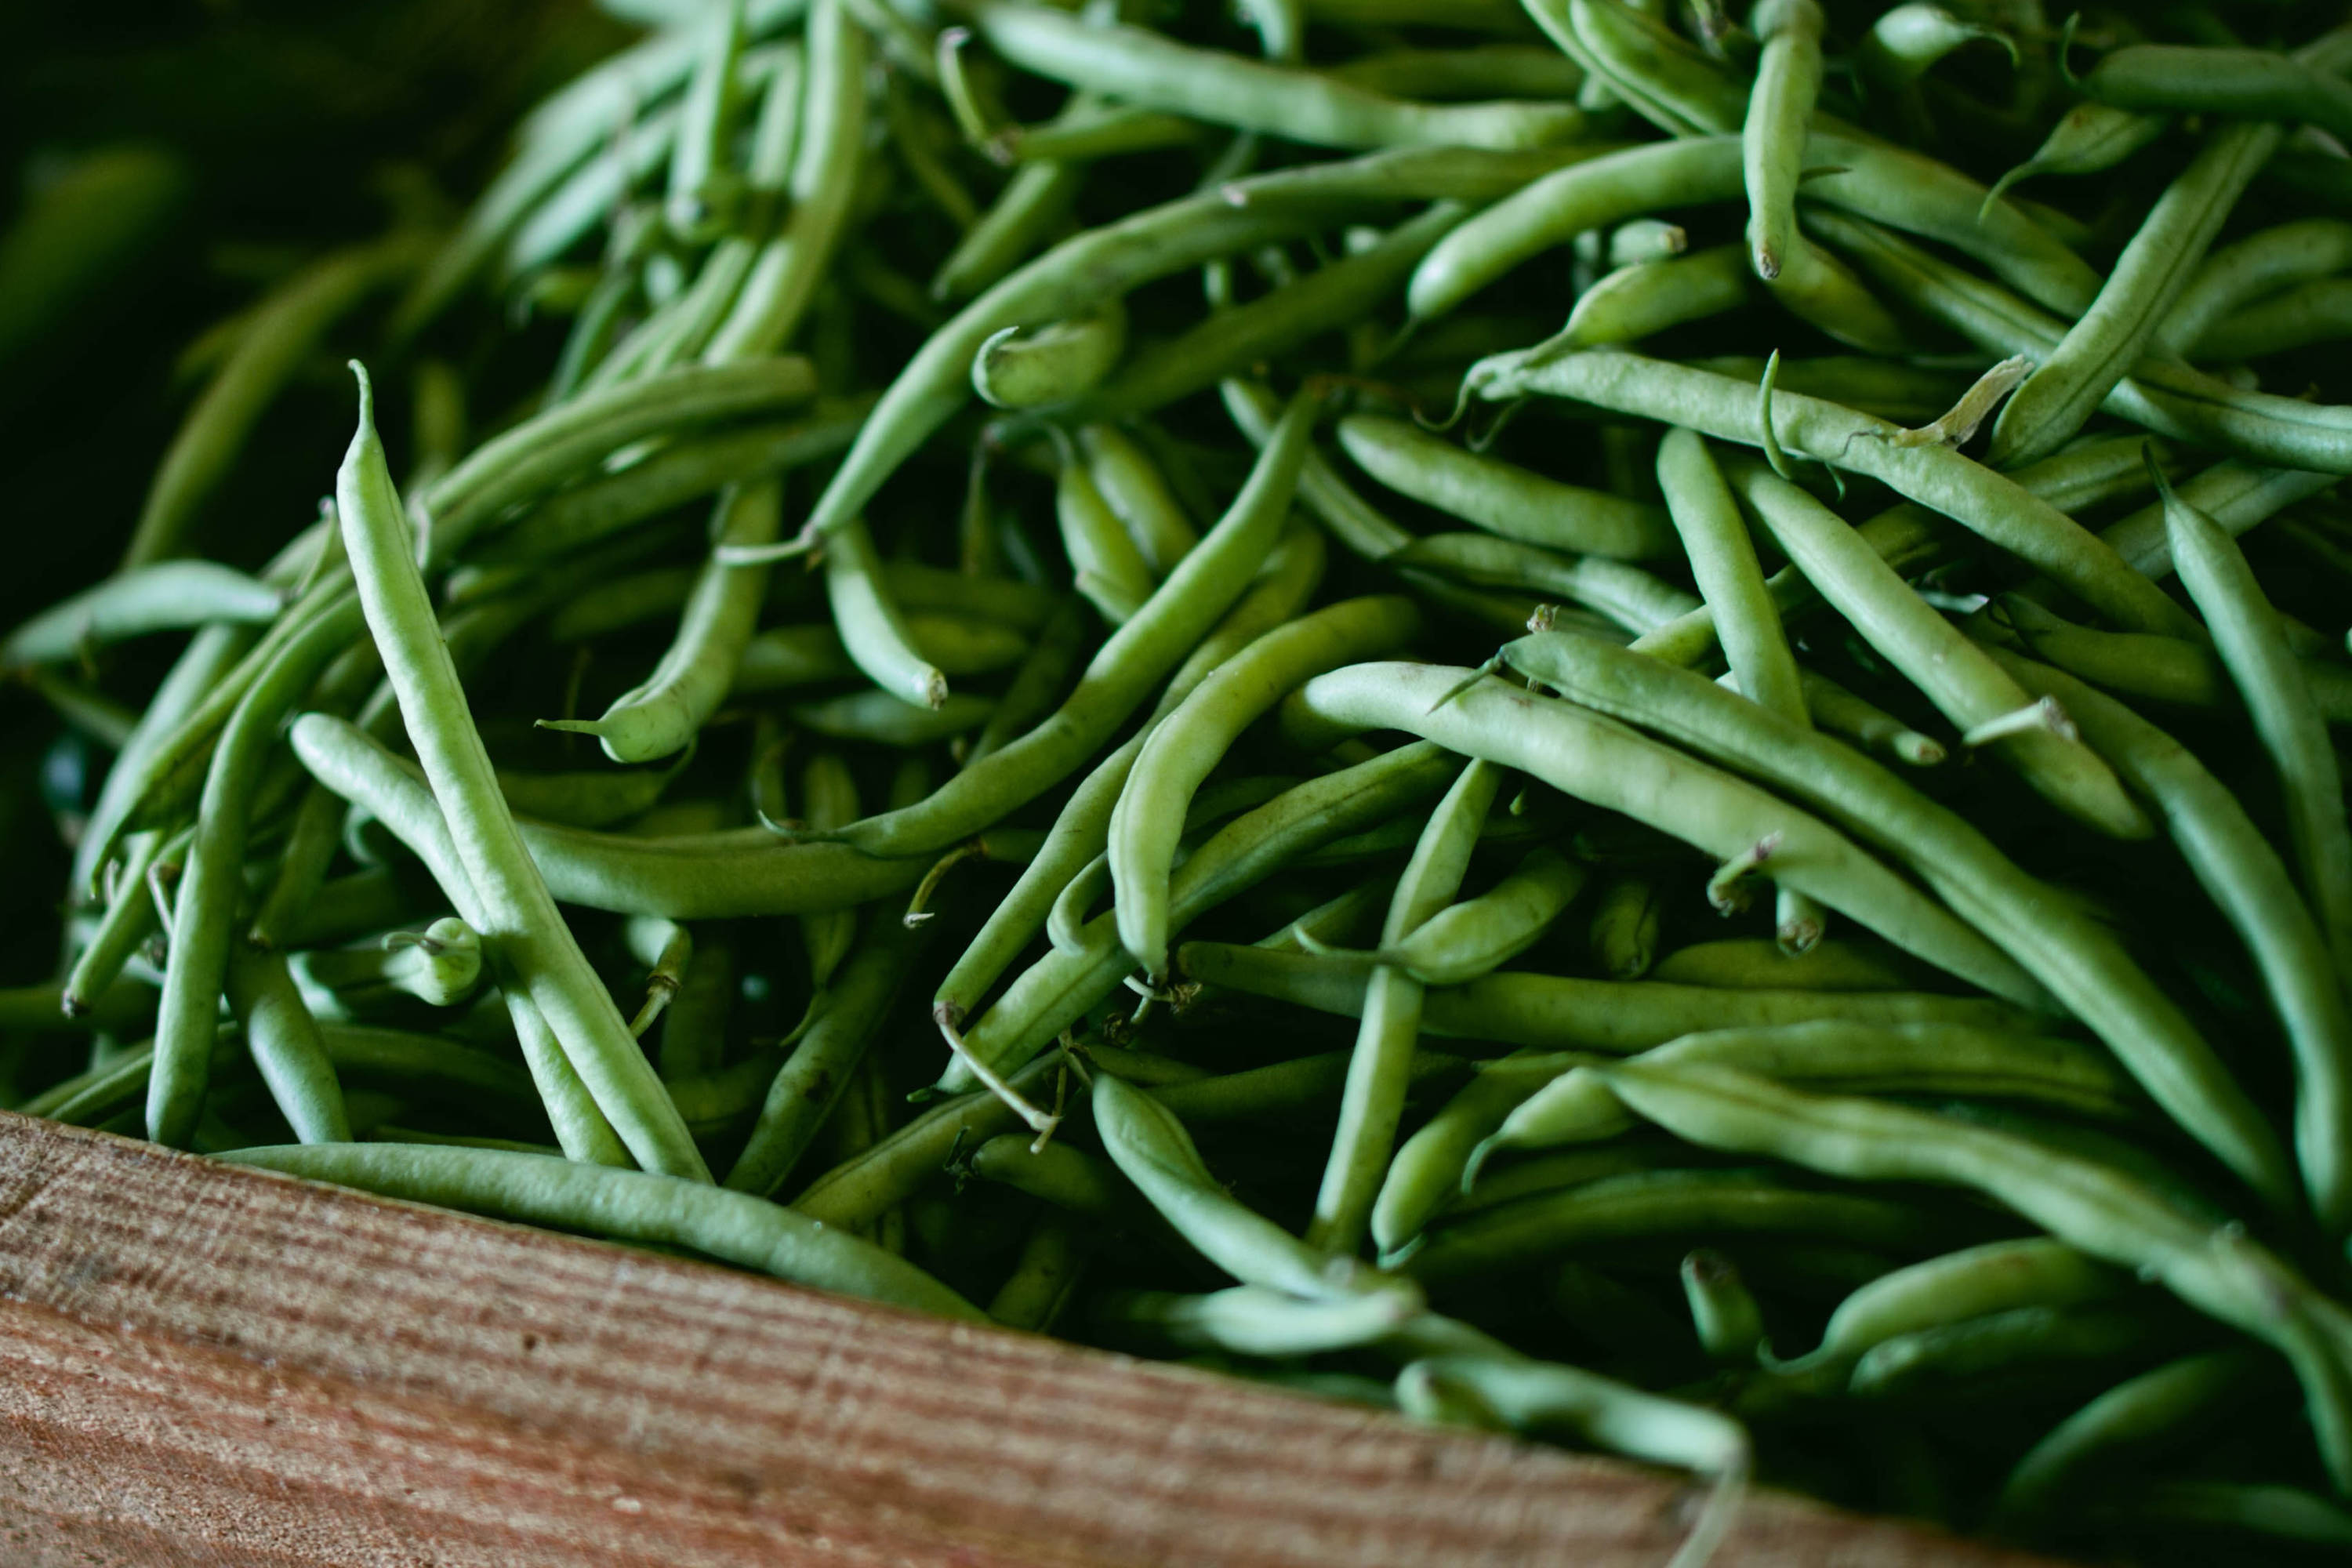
(202, 1364)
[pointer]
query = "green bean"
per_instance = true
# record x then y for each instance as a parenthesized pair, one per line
(1918, 1058)
(2247, 635)
(519, 918)
(1603, 191)
(2237, 276)
(312, 839)
(632, 1205)
(1153, 1150)
(661, 715)
(2100, 348)
(2165, 668)
(681, 328)
(590, 188)
(1521, 1395)
(872, 628)
(721, 875)
(1920, 196)
(2312, 313)
(828, 800)
(1471, 72)
(1109, 132)
(1636, 302)
(1680, 1204)
(1595, 760)
(284, 331)
(1123, 670)
(1064, 1176)
(2168, 398)
(892, 1170)
(343, 907)
(556, 136)
(1747, 623)
(1779, 115)
(1501, 497)
(1833, 708)
(1904, 43)
(287, 1044)
(2088, 139)
(1429, 1167)
(694, 198)
(1338, 295)
(440, 966)
(1349, 519)
(1549, 1012)
(694, 1033)
(1909, 538)
(2078, 958)
(590, 800)
(1372, 1103)
(1893, 391)
(115, 1086)
(1134, 489)
(783, 277)
(1628, 596)
(1109, 261)
(1106, 563)
(1623, 936)
(543, 452)
(2284, 1515)
(1284, 1088)
(1976, 1282)
(694, 466)
(786, 656)
(1994, 1352)
(165, 596)
(1080, 833)
(2248, 881)
(665, 948)
(1142, 67)
(1642, 241)
(1024, 606)
(1962, 681)
(1029, 366)
(2178, 79)
(1248, 1320)
(2219, 1271)
(1729, 1324)
(1996, 509)
(1748, 964)
(156, 780)
(1663, 79)
(1476, 15)
(1052, 1263)
(884, 719)
(130, 918)
(1186, 746)
(1060, 987)
(203, 925)
(620, 603)
(2137, 1415)
(1476, 936)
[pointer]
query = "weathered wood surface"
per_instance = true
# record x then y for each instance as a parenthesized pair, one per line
(207, 1365)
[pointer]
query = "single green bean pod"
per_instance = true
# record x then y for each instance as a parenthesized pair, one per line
(1029, 367)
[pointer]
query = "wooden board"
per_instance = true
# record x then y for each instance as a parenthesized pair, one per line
(202, 1364)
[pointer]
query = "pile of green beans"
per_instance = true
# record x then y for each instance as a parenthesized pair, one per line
(1609, 721)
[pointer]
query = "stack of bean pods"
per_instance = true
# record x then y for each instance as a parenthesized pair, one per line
(933, 658)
